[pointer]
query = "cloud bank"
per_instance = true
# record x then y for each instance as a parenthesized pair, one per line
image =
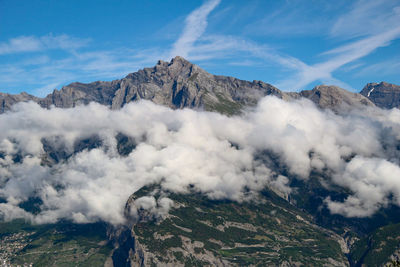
(69, 161)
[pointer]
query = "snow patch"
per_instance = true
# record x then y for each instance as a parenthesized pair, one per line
(370, 91)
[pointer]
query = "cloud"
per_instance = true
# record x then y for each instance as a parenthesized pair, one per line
(148, 206)
(377, 22)
(374, 182)
(380, 35)
(391, 66)
(23, 44)
(46, 73)
(49, 72)
(294, 18)
(339, 57)
(195, 26)
(182, 150)
(367, 17)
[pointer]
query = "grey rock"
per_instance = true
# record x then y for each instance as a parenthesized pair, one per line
(180, 84)
(335, 98)
(7, 100)
(383, 95)
(176, 84)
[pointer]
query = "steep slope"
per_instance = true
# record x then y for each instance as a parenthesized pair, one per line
(176, 84)
(181, 84)
(199, 231)
(7, 100)
(335, 98)
(384, 95)
(379, 248)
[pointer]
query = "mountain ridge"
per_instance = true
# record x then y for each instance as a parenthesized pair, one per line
(180, 84)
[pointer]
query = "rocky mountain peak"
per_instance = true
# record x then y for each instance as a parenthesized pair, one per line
(176, 84)
(180, 83)
(383, 94)
(180, 60)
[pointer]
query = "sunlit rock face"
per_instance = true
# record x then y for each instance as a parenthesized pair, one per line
(176, 84)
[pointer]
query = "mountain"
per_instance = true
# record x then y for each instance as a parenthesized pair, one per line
(180, 84)
(176, 84)
(383, 95)
(269, 233)
(7, 100)
(335, 98)
(273, 229)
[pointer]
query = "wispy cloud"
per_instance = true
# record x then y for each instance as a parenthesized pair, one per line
(303, 73)
(43, 73)
(195, 26)
(367, 17)
(352, 24)
(285, 20)
(48, 72)
(221, 46)
(391, 66)
(341, 56)
(44, 70)
(34, 44)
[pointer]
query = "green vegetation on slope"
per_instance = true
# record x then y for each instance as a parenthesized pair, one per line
(262, 233)
(61, 244)
(376, 249)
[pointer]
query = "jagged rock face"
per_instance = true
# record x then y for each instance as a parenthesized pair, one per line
(180, 84)
(384, 95)
(80, 93)
(176, 84)
(7, 100)
(335, 98)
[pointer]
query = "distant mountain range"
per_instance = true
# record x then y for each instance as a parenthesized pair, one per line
(180, 84)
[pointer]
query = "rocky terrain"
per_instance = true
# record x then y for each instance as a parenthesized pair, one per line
(383, 95)
(273, 229)
(7, 100)
(176, 84)
(269, 233)
(335, 98)
(180, 84)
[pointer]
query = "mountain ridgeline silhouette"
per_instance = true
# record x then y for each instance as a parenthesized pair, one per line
(181, 84)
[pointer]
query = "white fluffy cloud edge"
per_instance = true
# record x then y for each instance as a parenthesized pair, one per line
(210, 153)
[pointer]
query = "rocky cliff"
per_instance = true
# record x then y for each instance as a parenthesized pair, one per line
(7, 100)
(383, 95)
(335, 98)
(176, 84)
(180, 84)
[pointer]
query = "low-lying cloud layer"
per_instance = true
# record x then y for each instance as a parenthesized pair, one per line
(219, 156)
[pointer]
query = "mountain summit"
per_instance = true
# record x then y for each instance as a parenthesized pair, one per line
(180, 84)
(176, 84)
(384, 95)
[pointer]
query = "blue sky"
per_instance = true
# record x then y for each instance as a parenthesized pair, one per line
(291, 44)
